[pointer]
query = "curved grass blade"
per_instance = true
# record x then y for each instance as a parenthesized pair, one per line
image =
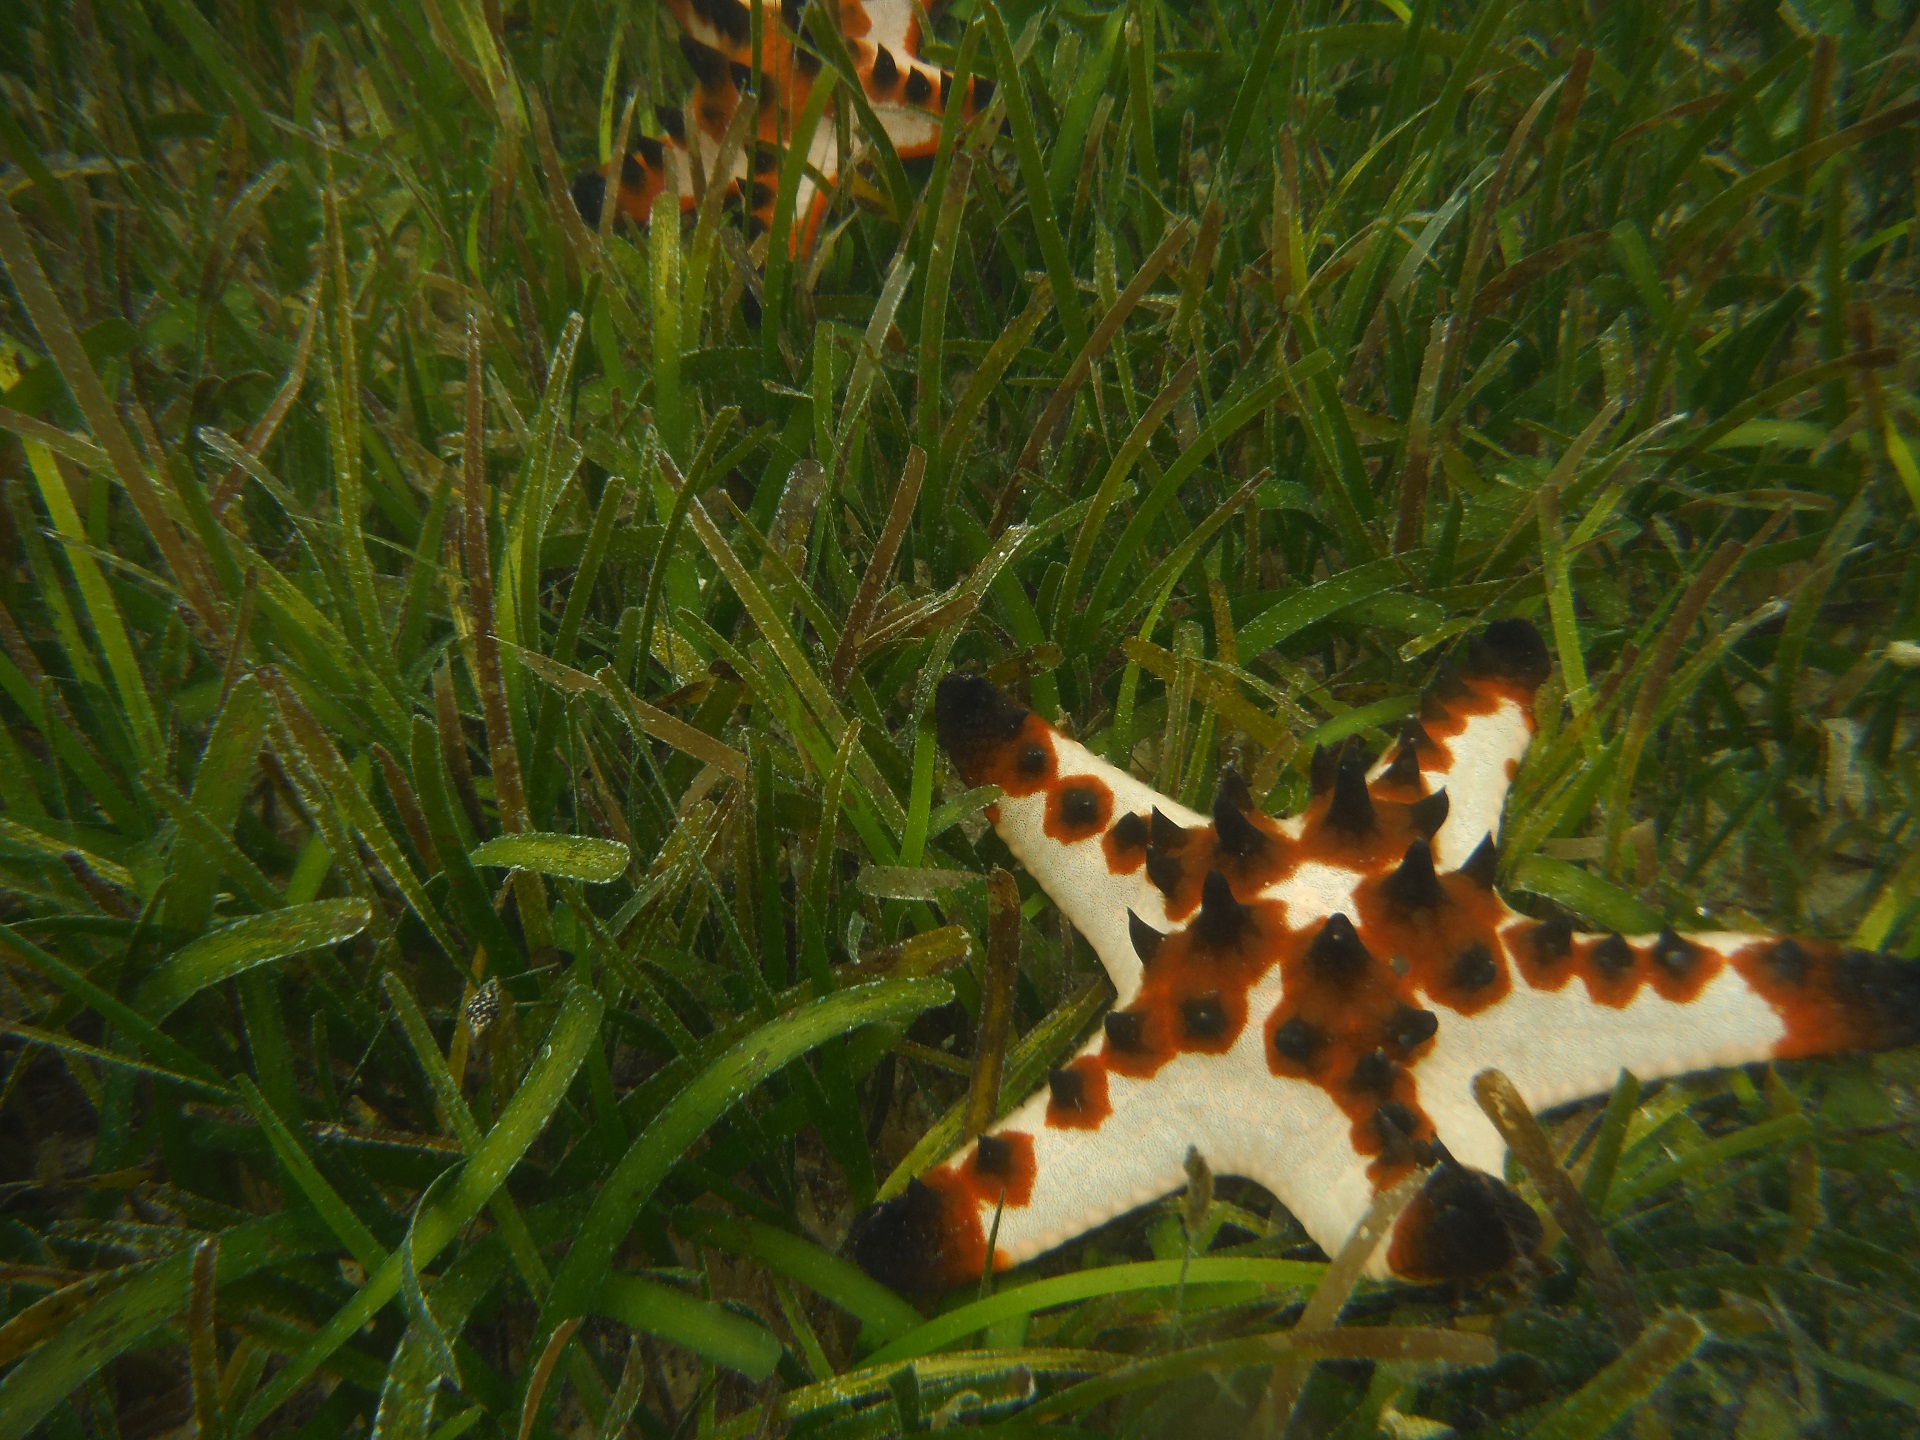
(695, 1109)
(585, 858)
(710, 1331)
(799, 1259)
(1591, 1411)
(1143, 1276)
(256, 940)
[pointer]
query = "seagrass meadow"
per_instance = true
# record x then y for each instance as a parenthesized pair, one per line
(482, 906)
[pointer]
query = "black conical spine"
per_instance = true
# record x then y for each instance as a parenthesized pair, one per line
(1222, 919)
(1163, 872)
(1673, 954)
(1126, 1031)
(1165, 833)
(1483, 863)
(1404, 768)
(1429, 813)
(1146, 939)
(1351, 810)
(1552, 940)
(1234, 786)
(1414, 886)
(1235, 833)
(1336, 952)
(1320, 770)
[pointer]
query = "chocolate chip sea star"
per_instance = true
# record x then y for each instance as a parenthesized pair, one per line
(1307, 1001)
(908, 97)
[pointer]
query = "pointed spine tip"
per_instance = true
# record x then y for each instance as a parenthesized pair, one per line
(1233, 786)
(1372, 1074)
(1237, 835)
(589, 195)
(1146, 939)
(1320, 770)
(1674, 953)
(1474, 968)
(1222, 919)
(1429, 813)
(1413, 885)
(1351, 810)
(1411, 1027)
(1510, 650)
(1551, 940)
(1613, 956)
(1483, 863)
(1203, 1017)
(1126, 1031)
(1298, 1041)
(1163, 872)
(992, 1156)
(1336, 953)
(1165, 833)
(1404, 769)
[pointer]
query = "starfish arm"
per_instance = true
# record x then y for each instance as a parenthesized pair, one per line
(1066, 817)
(1097, 1143)
(1475, 725)
(1585, 1007)
(891, 23)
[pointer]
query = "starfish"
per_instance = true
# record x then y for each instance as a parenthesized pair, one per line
(908, 97)
(1306, 1002)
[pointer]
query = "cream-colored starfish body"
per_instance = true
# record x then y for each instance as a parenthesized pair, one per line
(1307, 1001)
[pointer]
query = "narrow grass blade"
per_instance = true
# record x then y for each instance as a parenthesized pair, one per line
(573, 857)
(203, 1344)
(98, 1332)
(710, 1331)
(1033, 171)
(1503, 1105)
(703, 1102)
(1589, 1413)
(109, 629)
(804, 1262)
(123, 1017)
(520, 1124)
(293, 1157)
(43, 307)
(1108, 492)
(345, 792)
(1142, 1277)
(257, 940)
